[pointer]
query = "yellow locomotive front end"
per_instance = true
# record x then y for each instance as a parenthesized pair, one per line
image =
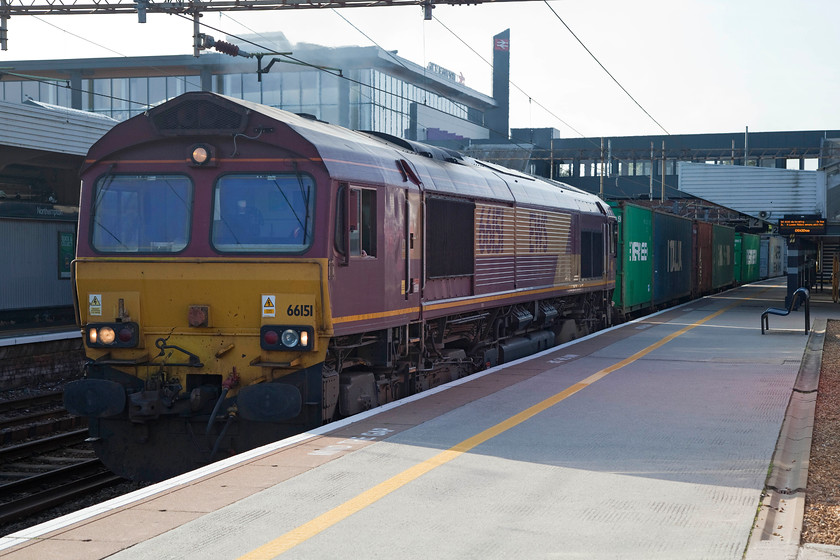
(195, 360)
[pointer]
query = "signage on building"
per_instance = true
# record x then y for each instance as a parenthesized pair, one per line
(66, 250)
(38, 211)
(803, 224)
(437, 69)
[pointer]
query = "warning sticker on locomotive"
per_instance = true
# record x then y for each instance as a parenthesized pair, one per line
(269, 306)
(95, 304)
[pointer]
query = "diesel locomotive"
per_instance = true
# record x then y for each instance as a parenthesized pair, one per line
(244, 274)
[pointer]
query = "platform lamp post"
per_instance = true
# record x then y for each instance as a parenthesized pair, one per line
(662, 199)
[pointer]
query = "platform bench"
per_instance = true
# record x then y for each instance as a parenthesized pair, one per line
(802, 293)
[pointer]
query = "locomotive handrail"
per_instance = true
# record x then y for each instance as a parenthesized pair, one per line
(800, 293)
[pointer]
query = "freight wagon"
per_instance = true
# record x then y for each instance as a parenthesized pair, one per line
(746, 257)
(664, 259)
(772, 256)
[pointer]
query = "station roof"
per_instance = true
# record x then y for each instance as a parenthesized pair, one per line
(49, 128)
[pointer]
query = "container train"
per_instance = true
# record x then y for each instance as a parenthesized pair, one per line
(243, 274)
(664, 259)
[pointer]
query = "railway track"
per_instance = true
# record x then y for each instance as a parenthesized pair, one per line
(35, 416)
(39, 492)
(56, 465)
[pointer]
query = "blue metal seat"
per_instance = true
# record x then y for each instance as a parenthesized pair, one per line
(802, 293)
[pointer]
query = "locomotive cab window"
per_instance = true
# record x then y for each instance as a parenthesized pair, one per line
(141, 213)
(356, 219)
(263, 213)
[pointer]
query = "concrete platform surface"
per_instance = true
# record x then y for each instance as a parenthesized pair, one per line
(651, 440)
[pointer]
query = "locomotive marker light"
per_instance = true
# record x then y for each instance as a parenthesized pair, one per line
(286, 337)
(112, 335)
(271, 337)
(201, 155)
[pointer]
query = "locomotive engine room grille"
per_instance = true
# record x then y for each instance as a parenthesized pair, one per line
(198, 116)
(450, 238)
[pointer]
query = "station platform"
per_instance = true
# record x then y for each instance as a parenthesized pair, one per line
(650, 440)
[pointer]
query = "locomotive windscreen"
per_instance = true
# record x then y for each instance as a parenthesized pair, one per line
(263, 213)
(141, 213)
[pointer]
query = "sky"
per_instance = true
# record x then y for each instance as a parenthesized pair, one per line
(694, 66)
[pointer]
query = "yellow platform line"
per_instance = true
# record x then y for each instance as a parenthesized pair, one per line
(325, 521)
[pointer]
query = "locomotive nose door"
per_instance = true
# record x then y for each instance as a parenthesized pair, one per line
(413, 245)
(413, 241)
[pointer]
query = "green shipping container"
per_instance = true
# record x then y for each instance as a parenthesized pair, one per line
(747, 248)
(634, 263)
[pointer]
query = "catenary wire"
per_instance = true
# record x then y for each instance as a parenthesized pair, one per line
(322, 69)
(626, 178)
(604, 68)
(162, 71)
(490, 64)
(510, 141)
(530, 99)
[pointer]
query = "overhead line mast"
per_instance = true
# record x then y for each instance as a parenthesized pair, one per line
(195, 8)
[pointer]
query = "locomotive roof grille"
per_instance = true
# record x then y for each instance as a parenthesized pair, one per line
(427, 150)
(199, 116)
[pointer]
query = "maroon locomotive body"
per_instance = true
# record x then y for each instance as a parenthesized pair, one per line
(244, 274)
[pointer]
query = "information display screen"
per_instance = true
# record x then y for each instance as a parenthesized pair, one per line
(808, 224)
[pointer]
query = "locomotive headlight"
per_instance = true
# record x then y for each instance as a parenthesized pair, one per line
(106, 335)
(290, 338)
(286, 337)
(201, 155)
(113, 335)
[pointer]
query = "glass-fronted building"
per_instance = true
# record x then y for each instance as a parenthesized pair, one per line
(363, 88)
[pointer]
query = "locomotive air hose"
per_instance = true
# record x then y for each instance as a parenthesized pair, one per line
(215, 411)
